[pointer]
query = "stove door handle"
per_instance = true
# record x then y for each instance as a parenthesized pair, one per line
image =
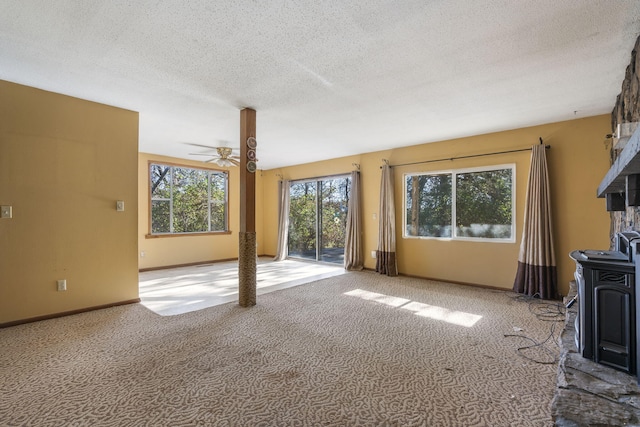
(613, 350)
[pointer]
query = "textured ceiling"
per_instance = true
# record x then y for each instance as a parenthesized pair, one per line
(327, 78)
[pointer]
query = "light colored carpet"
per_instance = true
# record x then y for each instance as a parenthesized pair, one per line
(357, 349)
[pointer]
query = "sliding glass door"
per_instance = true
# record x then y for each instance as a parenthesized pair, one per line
(317, 218)
(302, 220)
(333, 218)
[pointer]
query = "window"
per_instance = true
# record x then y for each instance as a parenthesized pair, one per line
(187, 200)
(463, 204)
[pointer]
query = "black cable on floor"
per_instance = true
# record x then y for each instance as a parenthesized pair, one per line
(546, 311)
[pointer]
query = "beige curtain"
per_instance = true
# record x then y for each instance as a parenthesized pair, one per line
(283, 221)
(353, 258)
(386, 253)
(537, 273)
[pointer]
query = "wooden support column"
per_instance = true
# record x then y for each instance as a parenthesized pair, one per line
(247, 235)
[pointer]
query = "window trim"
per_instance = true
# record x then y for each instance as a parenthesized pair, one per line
(151, 235)
(454, 173)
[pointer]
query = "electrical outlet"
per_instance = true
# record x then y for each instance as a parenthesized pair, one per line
(62, 285)
(120, 205)
(142, 254)
(373, 254)
(6, 211)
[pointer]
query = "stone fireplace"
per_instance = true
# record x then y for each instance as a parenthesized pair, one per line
(590, 393)
(625, 111)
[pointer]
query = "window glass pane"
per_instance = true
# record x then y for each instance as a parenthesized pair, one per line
(302, 220)
(484, 204)
(428, 205)
(187, 200)
(218, 217)
(190, 200)
(160, 182)
(218, 188)
(334, 204)
(160, 216)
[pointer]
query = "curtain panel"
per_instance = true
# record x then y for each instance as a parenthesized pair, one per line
(353, 258)
(283, 221)
(386, 254)
(537, 273)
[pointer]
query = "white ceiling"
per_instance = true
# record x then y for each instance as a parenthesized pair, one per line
(327, 78)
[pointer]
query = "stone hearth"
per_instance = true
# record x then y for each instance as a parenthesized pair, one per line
(588, 393)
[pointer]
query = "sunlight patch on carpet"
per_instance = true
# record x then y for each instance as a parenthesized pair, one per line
(381, 298)
(440, 313)
(420, 309)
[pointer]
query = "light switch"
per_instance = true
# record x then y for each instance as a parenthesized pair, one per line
(6, 212)
(120, 205)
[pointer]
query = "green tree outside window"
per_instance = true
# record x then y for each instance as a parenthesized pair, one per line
(460, 204)
(187, 200)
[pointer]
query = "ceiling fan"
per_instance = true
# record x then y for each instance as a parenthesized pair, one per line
(222, 156)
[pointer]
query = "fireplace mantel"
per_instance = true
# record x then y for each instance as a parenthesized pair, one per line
(627, 163)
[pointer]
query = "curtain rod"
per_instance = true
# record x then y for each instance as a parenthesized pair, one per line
(467, 157)
(321, 178)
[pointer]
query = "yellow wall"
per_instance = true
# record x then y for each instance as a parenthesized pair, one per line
(577, 163)
(179, 250)
(63, 164)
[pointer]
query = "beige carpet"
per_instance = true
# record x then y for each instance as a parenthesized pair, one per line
(358, 349)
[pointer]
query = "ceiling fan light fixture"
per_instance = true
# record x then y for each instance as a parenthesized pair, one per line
(224, 152)
(223, 162)
(223, 155)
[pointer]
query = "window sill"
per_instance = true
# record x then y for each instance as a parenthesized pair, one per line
(208, 233)
(462, 239)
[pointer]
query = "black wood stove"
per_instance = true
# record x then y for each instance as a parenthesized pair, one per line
(607, 325)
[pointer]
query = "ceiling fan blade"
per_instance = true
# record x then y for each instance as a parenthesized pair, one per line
(202, 154)
(235, 162)
(200, 145)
